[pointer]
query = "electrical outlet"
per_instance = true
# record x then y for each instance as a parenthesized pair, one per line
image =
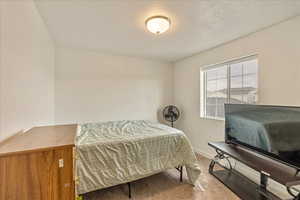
(61, 163)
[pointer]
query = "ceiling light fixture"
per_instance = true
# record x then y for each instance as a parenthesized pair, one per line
(158, 24)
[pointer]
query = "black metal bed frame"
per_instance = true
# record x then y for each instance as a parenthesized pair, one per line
(179, 168)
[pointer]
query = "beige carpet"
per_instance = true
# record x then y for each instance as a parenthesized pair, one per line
(166, 186)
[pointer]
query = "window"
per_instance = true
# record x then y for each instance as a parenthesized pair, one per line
(230, 82)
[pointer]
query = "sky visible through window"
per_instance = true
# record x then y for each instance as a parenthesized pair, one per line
(234, 82)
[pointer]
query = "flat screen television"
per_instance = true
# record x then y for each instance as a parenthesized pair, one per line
(270, 130)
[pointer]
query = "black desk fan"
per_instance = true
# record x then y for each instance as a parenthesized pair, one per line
(171, 114)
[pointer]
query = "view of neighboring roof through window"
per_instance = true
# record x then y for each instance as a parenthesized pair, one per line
(230, 82)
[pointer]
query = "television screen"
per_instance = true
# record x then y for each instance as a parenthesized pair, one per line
(271, 130)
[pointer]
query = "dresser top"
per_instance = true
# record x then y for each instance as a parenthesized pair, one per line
(39, 139)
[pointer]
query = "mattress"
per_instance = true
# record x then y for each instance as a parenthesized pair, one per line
(272, 130)
(112, 153)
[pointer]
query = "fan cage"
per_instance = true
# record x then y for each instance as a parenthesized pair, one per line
(171, 114)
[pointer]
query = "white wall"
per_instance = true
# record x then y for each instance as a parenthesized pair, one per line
(278, 49)
(27, 68)
(92, 86)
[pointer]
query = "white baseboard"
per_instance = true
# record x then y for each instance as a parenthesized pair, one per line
(27, 129)
(203, 153)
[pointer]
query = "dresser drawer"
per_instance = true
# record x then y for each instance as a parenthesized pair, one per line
(43, 175)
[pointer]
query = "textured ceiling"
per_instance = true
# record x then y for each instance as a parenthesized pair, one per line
(117, 26)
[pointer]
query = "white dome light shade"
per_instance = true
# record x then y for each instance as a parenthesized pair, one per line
(158, 24)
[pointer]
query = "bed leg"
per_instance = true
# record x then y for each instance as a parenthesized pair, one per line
(181, 170)
(129, 190)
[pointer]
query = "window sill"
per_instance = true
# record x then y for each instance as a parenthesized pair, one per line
(213, 118)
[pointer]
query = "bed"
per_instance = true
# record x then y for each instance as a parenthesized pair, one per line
(117, 152)
(264, 129)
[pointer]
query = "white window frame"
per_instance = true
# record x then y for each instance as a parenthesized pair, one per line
(214, 66)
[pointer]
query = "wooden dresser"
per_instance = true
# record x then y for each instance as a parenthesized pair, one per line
(38, 164)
